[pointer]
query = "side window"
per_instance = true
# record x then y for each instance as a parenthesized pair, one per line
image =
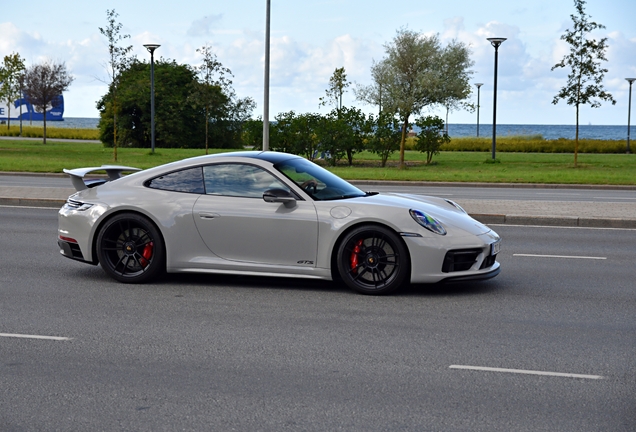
(239, 180)
(188, 180)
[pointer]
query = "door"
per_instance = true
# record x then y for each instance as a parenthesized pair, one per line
(237, 224)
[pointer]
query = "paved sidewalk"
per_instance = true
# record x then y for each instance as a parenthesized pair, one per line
(513, 212)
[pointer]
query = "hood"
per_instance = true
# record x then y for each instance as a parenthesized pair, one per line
(439, 208)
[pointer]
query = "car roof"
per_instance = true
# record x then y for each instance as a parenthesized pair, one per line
(269, 156)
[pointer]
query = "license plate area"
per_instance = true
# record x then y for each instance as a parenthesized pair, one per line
(495, 247)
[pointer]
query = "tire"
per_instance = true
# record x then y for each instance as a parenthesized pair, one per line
(130, 249)
(373, 260)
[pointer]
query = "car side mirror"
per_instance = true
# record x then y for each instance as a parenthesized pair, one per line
(279, 196)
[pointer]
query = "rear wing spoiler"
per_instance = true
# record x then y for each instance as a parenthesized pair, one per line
(113, 171)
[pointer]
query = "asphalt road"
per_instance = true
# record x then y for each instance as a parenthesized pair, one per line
(234, 353)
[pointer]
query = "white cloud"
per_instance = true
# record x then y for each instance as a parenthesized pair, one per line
(311, 39)
(203, 26)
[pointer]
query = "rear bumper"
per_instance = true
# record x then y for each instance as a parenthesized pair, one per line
(72, 251)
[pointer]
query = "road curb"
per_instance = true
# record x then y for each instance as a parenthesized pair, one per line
(31, 202)
(32, 174)
(560, 221)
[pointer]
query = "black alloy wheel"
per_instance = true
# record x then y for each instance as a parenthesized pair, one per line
(130, 248)
(373, 260)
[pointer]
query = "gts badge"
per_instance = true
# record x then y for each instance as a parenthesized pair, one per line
(305, 262)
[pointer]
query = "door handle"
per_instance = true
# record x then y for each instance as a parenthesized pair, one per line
(204, 215)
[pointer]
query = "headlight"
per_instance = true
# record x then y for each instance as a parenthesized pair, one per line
(428, 222)
(457, 206)
(77, 205)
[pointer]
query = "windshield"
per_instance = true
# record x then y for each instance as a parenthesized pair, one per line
(319, 183)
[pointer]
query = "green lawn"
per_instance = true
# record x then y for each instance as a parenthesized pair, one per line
(615, 169)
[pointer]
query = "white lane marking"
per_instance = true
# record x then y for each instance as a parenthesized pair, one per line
(526, 372)
(556, 193)
(615, 198)
(559, 256)
(24, 336)
(421, 193)
(425, 194)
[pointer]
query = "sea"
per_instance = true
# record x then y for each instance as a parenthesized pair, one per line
(588, 131)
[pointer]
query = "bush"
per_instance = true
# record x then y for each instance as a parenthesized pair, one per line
(431, 136)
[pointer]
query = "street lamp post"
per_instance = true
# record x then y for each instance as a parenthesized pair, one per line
(478, 90)
(495, 42)
(629, 110)
(151, 49)
(266, 91)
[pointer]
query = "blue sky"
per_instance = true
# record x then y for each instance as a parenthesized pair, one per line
(311, 39)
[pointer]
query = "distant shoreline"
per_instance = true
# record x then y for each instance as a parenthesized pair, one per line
(455, 130)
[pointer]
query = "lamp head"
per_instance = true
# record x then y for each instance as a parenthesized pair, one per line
(479, 84)
(151, 47)
(630, 80)
(496, 41)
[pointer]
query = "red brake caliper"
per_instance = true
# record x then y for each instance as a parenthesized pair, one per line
(354, 256)
(147, 254)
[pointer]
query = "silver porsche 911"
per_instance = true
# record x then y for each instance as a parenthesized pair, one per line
(268, 214)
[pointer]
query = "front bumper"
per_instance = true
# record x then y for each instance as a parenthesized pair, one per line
(494, 271)
(452, 258)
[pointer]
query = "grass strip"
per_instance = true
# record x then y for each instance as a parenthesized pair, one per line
(541, 168)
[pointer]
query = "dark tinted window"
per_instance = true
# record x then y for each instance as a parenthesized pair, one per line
(239, 180)
(328, 186)
(188, 180)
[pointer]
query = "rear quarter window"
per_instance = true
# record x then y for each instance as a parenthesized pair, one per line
(188, 180)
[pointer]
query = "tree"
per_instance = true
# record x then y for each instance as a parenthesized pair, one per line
(337, 85)
(455, 76)
(117, 60)
(281, 133)
(411, 70)
(412, 77)
(3, 79)
(178, 123)
(431, 136)
(304, 129)
(253, 133)
(376, 93)
(357, 129)
(228, 130)
(211, 89)
(332, 133)
(10, 74)
(43, 84)
(386, 136)
(585, 77)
